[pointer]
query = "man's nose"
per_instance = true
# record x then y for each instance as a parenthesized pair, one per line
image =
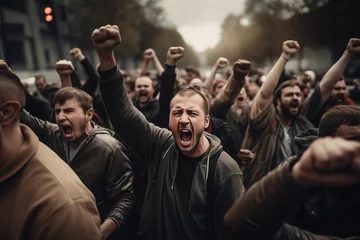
(184, 119)
(61, 116)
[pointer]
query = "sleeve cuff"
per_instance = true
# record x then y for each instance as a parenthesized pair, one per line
(170, 69)
(117, 223)
(108, 73)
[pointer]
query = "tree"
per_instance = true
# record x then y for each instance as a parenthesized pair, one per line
(140, 23)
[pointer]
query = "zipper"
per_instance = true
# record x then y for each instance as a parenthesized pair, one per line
(173, 180)
(192, 186)
(207, 173)
(82, 147)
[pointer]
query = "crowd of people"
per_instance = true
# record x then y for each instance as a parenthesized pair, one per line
(171, 155)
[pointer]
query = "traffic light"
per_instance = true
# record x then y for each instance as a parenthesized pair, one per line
(48, 16)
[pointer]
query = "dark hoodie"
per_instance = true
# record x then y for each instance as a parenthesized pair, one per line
(162, 215)
(100, 162)
(328, 211)
(150, 111)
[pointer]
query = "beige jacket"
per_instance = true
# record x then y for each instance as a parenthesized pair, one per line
(42, 198)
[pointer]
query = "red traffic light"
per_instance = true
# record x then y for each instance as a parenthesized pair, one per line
(49, 18)
(48, 10)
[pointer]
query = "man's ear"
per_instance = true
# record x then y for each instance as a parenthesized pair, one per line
(89, 114)
(207, 121)
(10, 112)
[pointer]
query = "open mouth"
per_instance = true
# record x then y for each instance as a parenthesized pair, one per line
(67, 130)
(185, 136)
(294, 105)
(143, 94)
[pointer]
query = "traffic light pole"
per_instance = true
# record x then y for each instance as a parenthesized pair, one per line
(58, 30)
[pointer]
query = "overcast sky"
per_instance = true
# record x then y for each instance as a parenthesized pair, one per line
(199, 21)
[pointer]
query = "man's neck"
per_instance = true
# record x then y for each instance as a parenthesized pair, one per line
(142, 105)
(13, 142)
(286, 121)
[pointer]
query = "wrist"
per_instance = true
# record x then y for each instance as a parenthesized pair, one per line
(347, 54)
(80, 58)
(286, 56)
(170, 62)
(107, 60)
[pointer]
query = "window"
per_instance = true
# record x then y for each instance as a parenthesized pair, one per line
(15, 5)
(14, 52)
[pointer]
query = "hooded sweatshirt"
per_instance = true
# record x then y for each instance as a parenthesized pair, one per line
(163, 215)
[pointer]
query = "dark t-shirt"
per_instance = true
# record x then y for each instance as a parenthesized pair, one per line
(184, 177)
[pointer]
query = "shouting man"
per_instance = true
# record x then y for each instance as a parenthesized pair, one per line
(192, 181)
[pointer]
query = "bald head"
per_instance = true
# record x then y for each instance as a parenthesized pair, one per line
(11, 88)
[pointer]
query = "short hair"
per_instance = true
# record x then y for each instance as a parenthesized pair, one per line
(11, 88)
(191, 69)
(40, 76)
(191, 91)
(64, 94)
(288, 83)
(337, 116)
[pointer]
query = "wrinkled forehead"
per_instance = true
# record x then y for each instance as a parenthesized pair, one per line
(69, 103)
(340, 84)
(291, 89)
(143, 81)
(194, 102)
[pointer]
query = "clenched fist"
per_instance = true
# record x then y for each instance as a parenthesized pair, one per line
(241, 68)
(291, 48)
(174, 54)
(4, 67)
(149, 54)
(106, 38)
(222, 63)
(246, 157)
(354, 45)
(329, 162)
(64, 67)
(77, 54)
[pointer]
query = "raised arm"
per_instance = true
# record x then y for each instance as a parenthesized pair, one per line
(265, 94)
(332, 76)
(92, 77)
(226, 97)
(64, 68)
(260, 213)
(168, 78)
(220, 63)
(144, 138)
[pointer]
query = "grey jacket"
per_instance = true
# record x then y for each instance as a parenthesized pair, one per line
(157, 147)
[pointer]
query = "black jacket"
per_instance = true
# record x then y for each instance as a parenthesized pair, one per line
(150, 111)
(100, 163)
(156, 146)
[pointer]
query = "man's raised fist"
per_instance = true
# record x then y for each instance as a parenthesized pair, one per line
(354, 45)
(241, 67)
(77, 54)
(329, 162)
(106, 38)
(222, 63)
(64, 67)
(174, 54)
(291, 47)
(4, 67)
(149, 54)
